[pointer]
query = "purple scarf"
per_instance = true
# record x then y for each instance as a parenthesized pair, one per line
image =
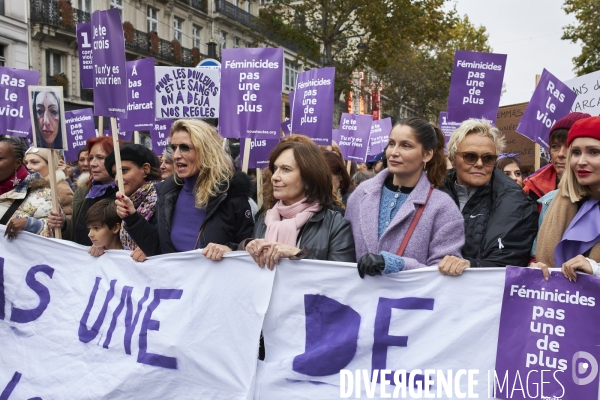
(98, 189)
(581, 235)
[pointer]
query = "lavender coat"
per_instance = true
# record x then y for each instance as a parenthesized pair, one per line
(440, 231)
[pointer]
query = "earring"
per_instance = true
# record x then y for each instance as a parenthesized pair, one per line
(16, 180)
(424, 165)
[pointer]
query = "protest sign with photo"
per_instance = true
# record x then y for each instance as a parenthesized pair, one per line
(47, 110)
(186, 92)
(15, 117)
(251, 87)
(108, 57)
(476, 85)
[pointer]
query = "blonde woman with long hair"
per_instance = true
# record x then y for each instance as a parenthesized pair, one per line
(202, 205)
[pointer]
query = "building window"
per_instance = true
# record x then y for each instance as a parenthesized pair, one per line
(237, 42)
(85, 5)
(53, 63)
(177, 29)
(2, 59)
(263, 2)
(291, 72)
(247, 5)
(197, 36)
(118, 4)
(223, 40)
(235, 3)
(152, 19)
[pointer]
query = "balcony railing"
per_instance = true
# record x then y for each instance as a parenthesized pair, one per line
(200, 5)
(87, 95)
(48, 12)
(234, 12)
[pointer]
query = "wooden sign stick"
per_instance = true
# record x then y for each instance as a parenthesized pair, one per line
(246, 160)
(136, 137)
(117, 150)
(259, 193)
(100, 126)
(537, 149)
(52, 177)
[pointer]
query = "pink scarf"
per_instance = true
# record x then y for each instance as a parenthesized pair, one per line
(295, 216)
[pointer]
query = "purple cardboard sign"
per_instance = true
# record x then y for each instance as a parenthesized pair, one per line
(380, 135)
(160, 134)
(550, 327)
(15, 118)
(84, 50)
(110, 75)
(140, 86)
(476, 85)
(353, 136)
(124, 135)
(291, 100)
(251, 84)
(286, 126)
(551, 101)
(260, 152)
(312, 114)
(447, 126)
(80, 128)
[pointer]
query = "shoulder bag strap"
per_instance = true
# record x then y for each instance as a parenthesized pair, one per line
(11, 210)
(413, 225)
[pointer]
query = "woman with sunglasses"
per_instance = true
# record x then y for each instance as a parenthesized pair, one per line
(202, 205)
(399, 221)
(500, 220)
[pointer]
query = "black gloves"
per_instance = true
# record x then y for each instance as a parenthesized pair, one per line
(370, 264)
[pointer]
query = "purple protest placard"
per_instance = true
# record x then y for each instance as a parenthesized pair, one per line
(312, 114)
(80, 128)
(552, 327)
(140, 86)
(551, 101)
(251, 84)
(110, 75)
(124, 135)
(291, 99)
(15, 118)
(260, 152)
(380, 135)
(159, 135)
(476, 85)
(84, 50)
(447, 126)
(286, 126)
(353, 136)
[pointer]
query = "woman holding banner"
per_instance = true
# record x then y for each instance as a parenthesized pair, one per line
(500, 220)
(25, 198)
(100, 186)
(400, 222)
(203, 205)
(299, 221)
(569, 237)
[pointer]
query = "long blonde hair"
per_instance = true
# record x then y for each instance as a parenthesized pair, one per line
(568, 185)
(215, 166)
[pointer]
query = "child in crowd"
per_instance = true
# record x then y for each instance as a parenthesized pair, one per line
(104, 224)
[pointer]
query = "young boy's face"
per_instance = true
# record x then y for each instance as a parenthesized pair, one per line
(101, 235)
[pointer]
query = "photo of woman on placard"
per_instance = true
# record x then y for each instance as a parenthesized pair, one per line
(47, 117)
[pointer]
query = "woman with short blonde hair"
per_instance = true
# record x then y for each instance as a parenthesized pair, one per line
(202, 205)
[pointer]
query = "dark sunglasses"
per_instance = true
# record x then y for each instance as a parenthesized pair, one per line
(183, 148)
(471, 158)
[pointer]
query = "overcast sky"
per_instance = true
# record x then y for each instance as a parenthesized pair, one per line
(529, 32)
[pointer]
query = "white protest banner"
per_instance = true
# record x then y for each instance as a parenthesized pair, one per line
(174, 327)
(323, 318)
(187, 92)
(587, 88)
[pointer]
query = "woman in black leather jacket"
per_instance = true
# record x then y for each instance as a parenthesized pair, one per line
(299, 221)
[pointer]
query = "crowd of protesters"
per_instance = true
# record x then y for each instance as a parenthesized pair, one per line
(413, 206)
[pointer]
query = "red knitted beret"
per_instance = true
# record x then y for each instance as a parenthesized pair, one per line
(568, 120)
(586, 127)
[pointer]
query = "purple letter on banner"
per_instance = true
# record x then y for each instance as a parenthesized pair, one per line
(251, 83)
(551, 101)
(159, 135)
(476, 85)
(15, 119)
(140, 86)
(260, 152)
(312, 114)
(354, 136)
(552, 327)
(80, 128)
(84, 48)
(380, 134)
(110, 76)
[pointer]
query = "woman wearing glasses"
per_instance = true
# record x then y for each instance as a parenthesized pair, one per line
(500, 220)
(202, 205)
(399, 221)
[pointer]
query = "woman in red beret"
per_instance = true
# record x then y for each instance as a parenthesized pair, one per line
(569, 237)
